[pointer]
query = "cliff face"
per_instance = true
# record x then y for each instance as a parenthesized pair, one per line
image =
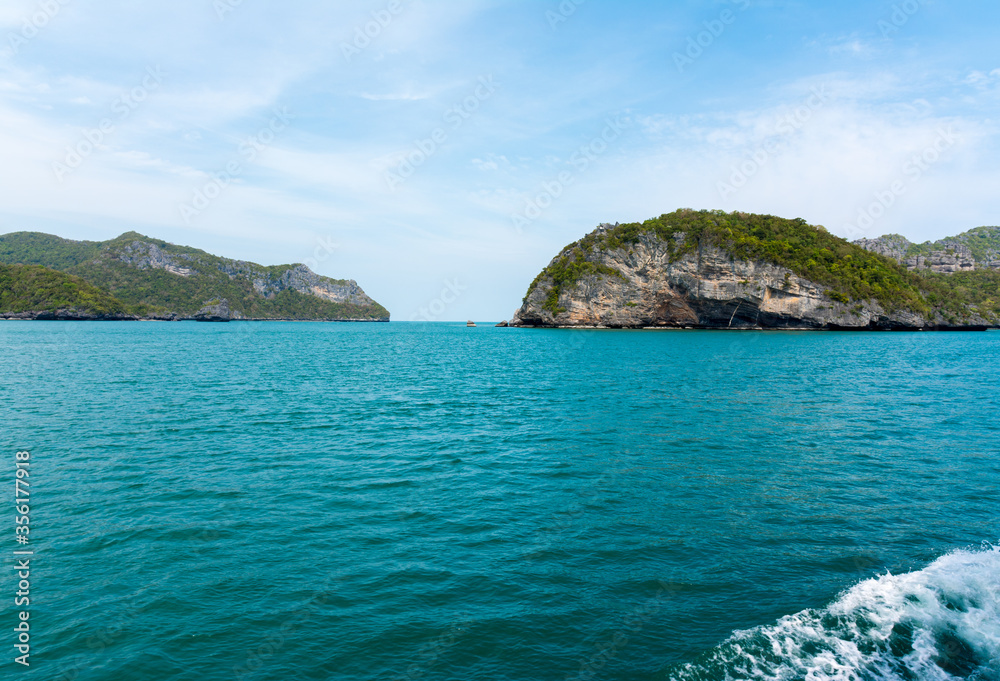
(705, 289)
(647, 276)
(148, 256)
(266, 281)
(303, 280)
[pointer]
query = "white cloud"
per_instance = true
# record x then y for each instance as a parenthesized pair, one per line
(14, 13)
(480, 164)
(853, 46)
(830, 166)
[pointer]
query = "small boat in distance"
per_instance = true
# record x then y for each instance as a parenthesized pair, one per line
(470, 324)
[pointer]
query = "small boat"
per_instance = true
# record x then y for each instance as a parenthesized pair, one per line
(470, 324)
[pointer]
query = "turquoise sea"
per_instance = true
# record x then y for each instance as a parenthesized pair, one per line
(425, 501)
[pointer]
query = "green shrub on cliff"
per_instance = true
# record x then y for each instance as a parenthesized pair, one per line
(957, 294)
(566, 271)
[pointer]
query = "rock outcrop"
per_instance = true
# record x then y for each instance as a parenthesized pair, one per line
(66, 315)
(300, 278)
(976, 249)
(957, 258)
(946, 262)
(891, 246)
(214, 311)
(144, 255)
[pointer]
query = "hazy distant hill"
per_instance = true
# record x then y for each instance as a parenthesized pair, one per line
(158, 279)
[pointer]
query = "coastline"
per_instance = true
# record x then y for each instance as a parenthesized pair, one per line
(860, 329)
(57, 317)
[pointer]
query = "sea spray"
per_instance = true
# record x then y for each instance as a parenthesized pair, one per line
(939, 623)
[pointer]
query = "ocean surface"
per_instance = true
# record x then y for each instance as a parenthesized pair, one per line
(424, 501)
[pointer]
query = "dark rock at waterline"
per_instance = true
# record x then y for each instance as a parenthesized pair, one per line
(214, 311)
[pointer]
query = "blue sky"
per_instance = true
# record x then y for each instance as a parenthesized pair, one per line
(441, 153)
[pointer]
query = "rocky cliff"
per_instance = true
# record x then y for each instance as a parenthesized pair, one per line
(144, 254)
(699, 269)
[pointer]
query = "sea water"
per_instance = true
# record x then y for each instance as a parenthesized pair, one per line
(426, 501)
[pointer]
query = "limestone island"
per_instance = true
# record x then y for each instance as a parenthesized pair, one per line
(134, 277)
(718, 270)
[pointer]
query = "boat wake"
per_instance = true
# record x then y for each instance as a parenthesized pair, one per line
(939, 623)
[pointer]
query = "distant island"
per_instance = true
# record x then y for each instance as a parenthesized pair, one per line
(718, 270)
(134, 277)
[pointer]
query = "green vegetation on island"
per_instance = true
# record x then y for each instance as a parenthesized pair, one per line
(32, 288)
(34, 248)
(956, 295)
(150, 277)
(849, 273)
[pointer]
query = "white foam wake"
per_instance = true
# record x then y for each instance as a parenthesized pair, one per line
(937, 624)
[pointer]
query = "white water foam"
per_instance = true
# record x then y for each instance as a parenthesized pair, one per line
(937, 624)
